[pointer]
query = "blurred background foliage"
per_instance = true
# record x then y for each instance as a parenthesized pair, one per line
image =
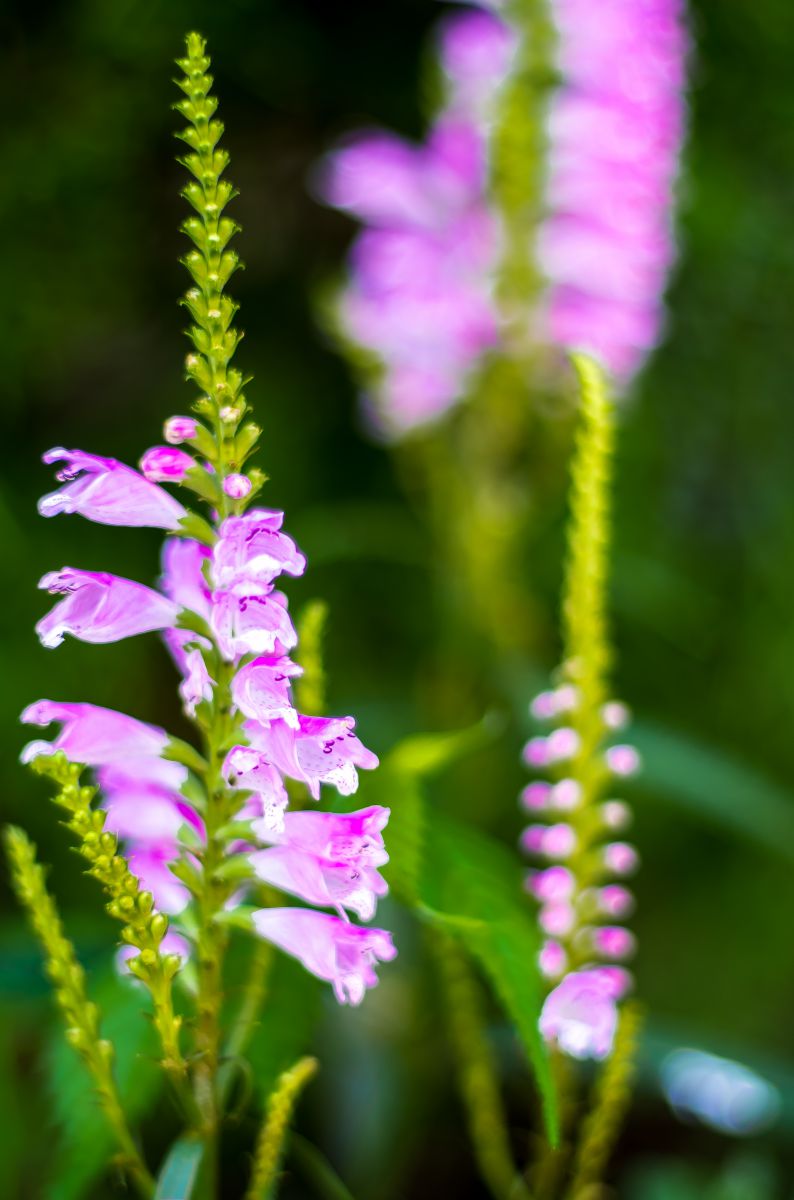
(90, 345)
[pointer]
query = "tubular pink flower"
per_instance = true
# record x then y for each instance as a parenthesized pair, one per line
(183, 582)
(252, 620)
(252, 547)
(261, 689)
(166, 464)
(580, 1014)
(552, 959)
(142, 811)
(475, 49)
(349, 883)
(107, 491)
(237, 486)
(98, 607)
(329, 947)
(180, 429)
(321, 750)
(197, 684)
(102, 737)
(351, 837)
(250, 770)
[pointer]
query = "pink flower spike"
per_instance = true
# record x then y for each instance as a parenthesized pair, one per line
(99, 608)
(617, 980)
(552, 959)
(622, 760)
(103, 737)
(166, 464)
(621, 857)
(321, 750)
(322, 881)
(197, 684)
(615, 901)
(345, 837)
(329, 947)
(566, 698)
(532, 839)
(108, 492)
(237, 486)
(580, 1015)
(252, 547)
(535, 796)
(613, 941)
(180, 429)
(251, 619)
(261, 690)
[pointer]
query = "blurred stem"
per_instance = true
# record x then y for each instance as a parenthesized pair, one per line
(611, 1096)
(278, 1111)
(80, 1014)
(477, 1075)
(253, 999)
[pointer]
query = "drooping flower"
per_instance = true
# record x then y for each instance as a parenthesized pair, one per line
(108, 492)
(101, 736)
(98, 607)
(348, 836)
(320, 750)
(253, 547)
(249, 770)
(261, 689)
(329, 947)
(252, 619)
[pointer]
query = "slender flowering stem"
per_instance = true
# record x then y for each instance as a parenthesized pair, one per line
(144, 927)
(270, 1145)
(79, 1013)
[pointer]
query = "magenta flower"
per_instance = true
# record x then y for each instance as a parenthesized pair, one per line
(136, 806)
(261, 689)
(252, 547)
(329, 947)
(183, 582)
(251, 771)
(475, 49)
(321, 750)
(98, 607)
(580, 1014)
(108, 492)
(252, 619)
(166, 464)
(345, 883)
(352, 836)
(197, 683)
(180, 429)
(99, 737)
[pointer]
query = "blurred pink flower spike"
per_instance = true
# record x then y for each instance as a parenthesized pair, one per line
(98, 607)
(108, 492)
(343, 954)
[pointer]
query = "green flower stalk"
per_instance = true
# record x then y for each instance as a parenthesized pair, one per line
(270, 1146)
(80, 1015)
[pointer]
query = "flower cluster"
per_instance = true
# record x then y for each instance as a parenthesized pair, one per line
(420, 296)
(420, 300)
(615, 128)
(230, 634)
(580, 887)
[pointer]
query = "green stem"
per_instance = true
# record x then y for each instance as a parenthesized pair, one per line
(80, 1015)
(477, 1078)
(270, 1144)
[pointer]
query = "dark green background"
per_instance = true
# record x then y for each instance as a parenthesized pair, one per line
(90, 356)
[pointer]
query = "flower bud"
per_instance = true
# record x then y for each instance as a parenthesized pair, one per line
(179, 429)
(236, 486)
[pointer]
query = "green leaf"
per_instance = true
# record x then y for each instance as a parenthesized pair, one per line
(715, 786)
(86, 1144)
(289, 1017)
(315, 1168)
(180, 1170)
(425, 753)
(468, 883)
